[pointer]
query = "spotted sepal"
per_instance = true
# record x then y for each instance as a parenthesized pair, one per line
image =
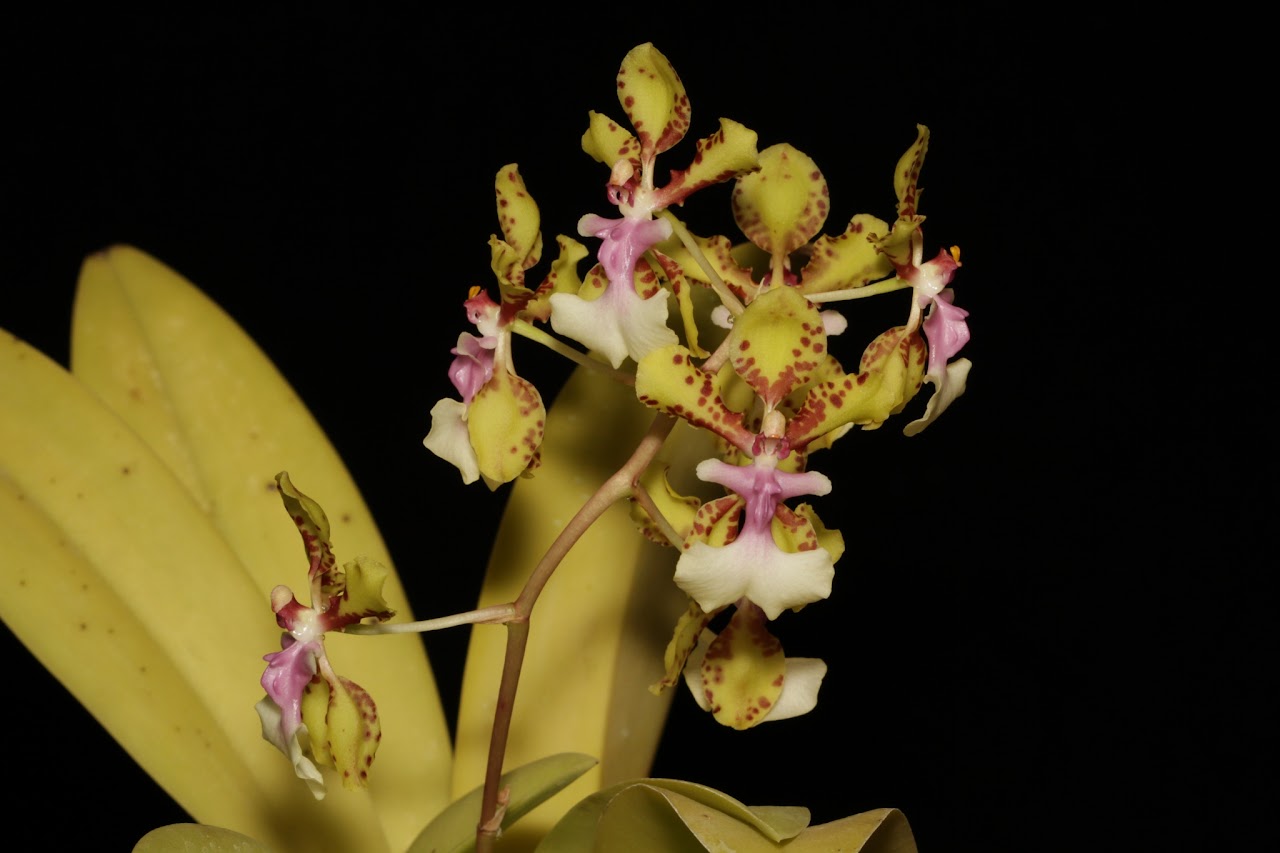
(778, 343)
(906, 176)
(313, 524)
(719, 252)
(361, 596)
(726, 154)
(831, 541)
(343, 726)
(891, 371)
(679, 510)
(607, 142)
(654, 99)
(505, 423)
(668, 380)
(783, 204)
(521, 243)
(683, 641)
(744, 670)
(563, 278)
(681, 289)
(848, 260)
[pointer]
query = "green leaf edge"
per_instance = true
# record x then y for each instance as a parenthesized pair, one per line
(454, 829)
(575, 830)
(197, 838)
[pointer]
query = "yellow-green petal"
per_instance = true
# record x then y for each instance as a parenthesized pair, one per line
(607, 142)
(364, 579)
(727, 153)
(849, 260)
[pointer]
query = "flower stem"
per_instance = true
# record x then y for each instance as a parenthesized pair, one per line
(859, 292)
(496, 615)
(717, 284)
(527, 330)
(618, 486)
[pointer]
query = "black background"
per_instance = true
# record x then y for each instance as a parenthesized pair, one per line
(1042, 582)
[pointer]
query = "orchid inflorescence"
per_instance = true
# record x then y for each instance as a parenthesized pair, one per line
(769, 389)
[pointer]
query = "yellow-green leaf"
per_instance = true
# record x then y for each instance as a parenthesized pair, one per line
(197, 838)
(204, 397)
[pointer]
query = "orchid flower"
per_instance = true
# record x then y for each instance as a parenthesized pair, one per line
(495, 430)
(310, 713)
(628, 318)
(735, 674)
(944, 325)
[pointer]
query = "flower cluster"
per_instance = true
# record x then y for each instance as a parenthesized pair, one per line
(772, 392)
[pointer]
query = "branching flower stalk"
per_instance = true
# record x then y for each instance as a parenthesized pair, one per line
(771, 393)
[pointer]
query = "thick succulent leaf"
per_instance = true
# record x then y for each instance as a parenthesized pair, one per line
(783, 204)
(877, 831)
(197, 838)
(607, 142)
(654, 100)
(906, 176)
(202, 394)
(725, 154)
(454, 829)
(849, 260)
(717, 830)
(641, 818)
(66, 612)
(178, 625)
(577, 831)
(778, 343)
